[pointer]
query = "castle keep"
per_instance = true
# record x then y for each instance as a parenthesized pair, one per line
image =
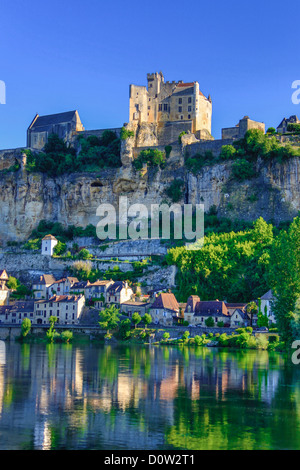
(173, 107)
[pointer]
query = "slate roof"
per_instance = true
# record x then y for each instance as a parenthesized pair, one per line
(60, 298)
(166, 301)
(192, 302)
(211, 308)
(268, 295)
(46, 279)
(51, 119)
(116, 287)
(3, 275)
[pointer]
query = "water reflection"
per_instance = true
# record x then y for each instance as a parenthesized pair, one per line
(130, 397)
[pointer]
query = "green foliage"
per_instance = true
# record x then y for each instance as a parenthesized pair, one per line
(19, 291)
(284, 279)
(82, 270)
(124, 328)
(109, 318)
(126, 133)
(175, 190)
(228, 266)
(33, 244)
(271, 130)
(84, 254)
(25, 327)
(220, 324)
(146, 319)
(60, 248)
(196, 162)
(152, 157)
(51, 333)
(209, 322)
(294, 128)
(136, 318)
(185, 335)
(57, 158)
(166, 336)
(180, 135)
(66, 336)
(242, 170)
(228, 152)
(185, 323)
(12, 283)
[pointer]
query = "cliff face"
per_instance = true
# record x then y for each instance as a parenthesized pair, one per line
(27, 198)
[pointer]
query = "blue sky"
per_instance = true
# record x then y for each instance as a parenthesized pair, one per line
(67, 55)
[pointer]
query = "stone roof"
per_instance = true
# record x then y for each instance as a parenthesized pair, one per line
(49, 237)
(166, 301)
(211, 308)
(268, 295)
(50, 119)
(47, 279)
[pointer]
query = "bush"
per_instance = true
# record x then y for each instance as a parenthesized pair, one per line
(25, 327)
(228, 152)
(209, 322)
(126, 133)
(180, 135)
(66, 336)
(273, 338)
(152, 157)
(185, 335)
(198, 340)
(242, 170)
(166, 336)
(220, 324)
(175, 190)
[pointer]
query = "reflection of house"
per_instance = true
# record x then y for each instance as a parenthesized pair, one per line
(4, 291)
(67, 309)
(266, 306)
(17, 312)
(118, 293)
(164, 308)
(40, 286)
(198, 311)
(48, 244)
(131, 307)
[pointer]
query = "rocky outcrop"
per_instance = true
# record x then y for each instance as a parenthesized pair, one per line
(26, 198)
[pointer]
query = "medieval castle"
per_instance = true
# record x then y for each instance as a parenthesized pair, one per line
(159, 113)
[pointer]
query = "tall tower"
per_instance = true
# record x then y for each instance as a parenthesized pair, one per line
(154, 83)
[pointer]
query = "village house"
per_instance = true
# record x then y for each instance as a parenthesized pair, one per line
(198, 311)
(40, 286)
(16, 312)
(266, 306)
(79, 287)
(62, 286)
(97, 290)
(4, 291)
(130, 307)
(48, 244)
(164, 308)
(118, 293)
(283, 126)
(67, 309)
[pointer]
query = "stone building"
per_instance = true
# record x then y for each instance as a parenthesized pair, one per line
(172, 106)
(48, 244)
(67, 309)
(241, 128)
(4, 291)
(41, 284)
(65, 125)
(198, 311)
(283, 126)
(164, 308)
(130, 307)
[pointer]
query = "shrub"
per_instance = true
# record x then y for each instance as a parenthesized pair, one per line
(175, 190)
(185, 323)
(180, 135)
(66, 336)
(209, 322)
(220, 324)
(60, 248)
(242, 170)
(168, 150)
(262, 341)
(198, 340)
(153, 157)
(126, 133)
(273, 338)
(249, 329)
(166, 335)
(185, 335)
(228, 152)
(25, 327)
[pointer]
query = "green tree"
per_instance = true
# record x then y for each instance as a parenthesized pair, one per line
(109, 318)
(25, 327)
(252, 309)
(66, 336)
(284, 278)
(136, 318)
(147, 319)
(166, 336)
(124, 328)
(60, 248)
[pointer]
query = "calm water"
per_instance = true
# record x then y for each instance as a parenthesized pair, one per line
(120, 397)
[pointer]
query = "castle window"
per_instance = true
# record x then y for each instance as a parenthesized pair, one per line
(181, 117)
(189, 116)
(148, 107)
(149, 99)
(180, 109)
(180, 100)
(150, 85)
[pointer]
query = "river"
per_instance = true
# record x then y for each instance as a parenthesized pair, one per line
(139, 397)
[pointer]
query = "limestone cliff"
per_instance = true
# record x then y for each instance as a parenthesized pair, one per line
(27, 198)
